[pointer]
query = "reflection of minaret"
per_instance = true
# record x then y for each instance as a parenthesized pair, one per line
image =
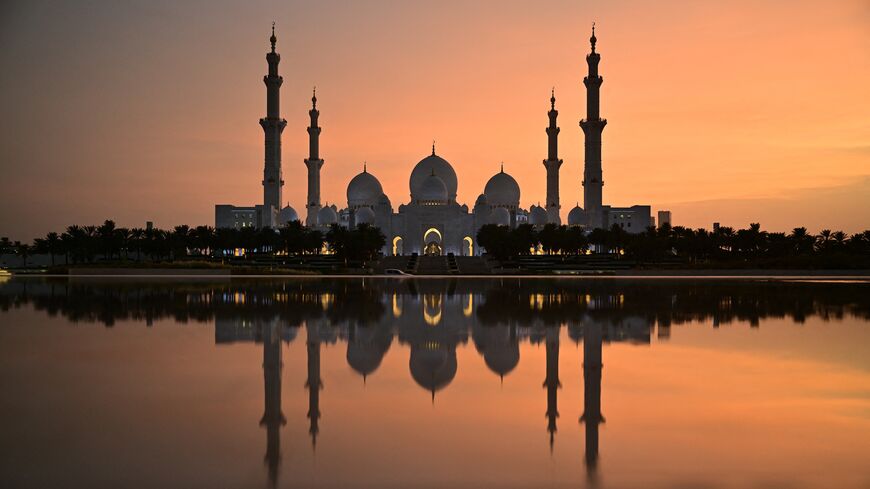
(314, 163)
(313, 384)
(273, 418)
(552, 381)
(592, 417)
(273, 125)
(552, 164)
(593, 126)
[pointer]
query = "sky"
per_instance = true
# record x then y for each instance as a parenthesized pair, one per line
(737, 112)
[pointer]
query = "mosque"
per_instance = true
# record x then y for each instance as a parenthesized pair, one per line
(432, 222)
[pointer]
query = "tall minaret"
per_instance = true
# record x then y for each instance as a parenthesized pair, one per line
(273, 126)
(552, 164)
(593, 126)
(314, 163)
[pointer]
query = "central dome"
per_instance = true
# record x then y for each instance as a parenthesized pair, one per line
(433, 190)
(425, 168)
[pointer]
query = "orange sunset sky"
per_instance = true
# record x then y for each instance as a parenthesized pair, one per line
(734, 112)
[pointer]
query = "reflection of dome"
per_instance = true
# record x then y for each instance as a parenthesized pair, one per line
(364, 215)
(326, 216)
(431, 367)
(425, 168)
(577, 216)
(501, 359)
(366, 351)
(502, 190)
(537, 216)
(432, 190)
(287, 214)
(500, 216)
(364, 189)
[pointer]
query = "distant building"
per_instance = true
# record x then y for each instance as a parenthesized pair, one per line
(664, 218)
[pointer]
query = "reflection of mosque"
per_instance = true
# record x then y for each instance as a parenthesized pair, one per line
(432, 323)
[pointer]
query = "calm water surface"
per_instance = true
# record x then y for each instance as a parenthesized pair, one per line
(470, 383)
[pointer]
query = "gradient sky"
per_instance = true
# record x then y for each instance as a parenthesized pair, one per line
(148, 110)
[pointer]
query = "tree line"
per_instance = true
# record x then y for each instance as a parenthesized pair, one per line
(751, 246)
(108, 242)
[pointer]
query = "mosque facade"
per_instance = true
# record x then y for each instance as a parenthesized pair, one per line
(432, 221)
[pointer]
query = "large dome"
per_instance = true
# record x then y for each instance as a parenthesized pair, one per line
(433, 190)
(425, 168)
(537, 216)
(577, 216)
(326, 216)
(502, 190)
(364, 190)
(364, 215)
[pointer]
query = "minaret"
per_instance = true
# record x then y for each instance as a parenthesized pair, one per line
(592, 339)
(552, 382)
(273, 126)
(314, 163)
(273, 419)
(552, 164)
(593, 126)
(313, 383)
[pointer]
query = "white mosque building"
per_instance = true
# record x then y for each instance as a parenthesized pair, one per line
(432, 222)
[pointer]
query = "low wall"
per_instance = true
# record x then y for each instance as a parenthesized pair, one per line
(163, 272)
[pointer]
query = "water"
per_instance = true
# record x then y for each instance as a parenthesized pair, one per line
(470, 383)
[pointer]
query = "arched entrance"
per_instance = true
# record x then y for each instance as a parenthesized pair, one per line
(468, 249)
(398, 246)
(432, 242)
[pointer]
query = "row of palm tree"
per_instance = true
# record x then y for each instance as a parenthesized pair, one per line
(107, 242)
(724, 244)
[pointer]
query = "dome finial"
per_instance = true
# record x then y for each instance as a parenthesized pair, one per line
(502, 166)
(553, 98)
(593, 39)
(314, 97)
(433, 147)
(365, 167)
(273, 39)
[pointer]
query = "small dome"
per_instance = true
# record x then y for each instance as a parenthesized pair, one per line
(287, 214)
(425, 168)
(326, 216)
(433, 190)
(502, 190)
(577, 216)
(364, 215)
(500, 216)
(481, 200)
(364, 190)
(385, 201)
(537, 216)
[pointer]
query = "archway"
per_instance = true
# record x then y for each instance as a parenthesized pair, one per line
(432, 242)
(468, 250)
(398, 245)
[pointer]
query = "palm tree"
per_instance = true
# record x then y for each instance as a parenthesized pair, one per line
(823, 241)
(136, 236)
(801, 241)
